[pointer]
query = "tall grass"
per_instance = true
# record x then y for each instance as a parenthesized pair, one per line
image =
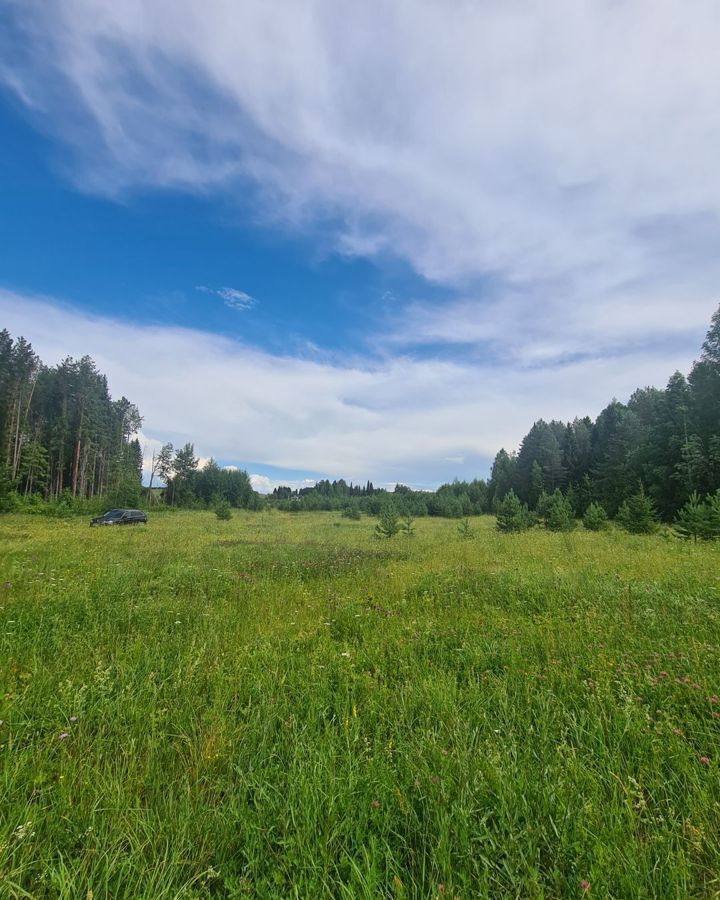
(286, 706)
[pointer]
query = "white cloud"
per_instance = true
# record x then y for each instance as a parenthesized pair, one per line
(231, 297)
(265, 485)
(396, 420)
(531, 141)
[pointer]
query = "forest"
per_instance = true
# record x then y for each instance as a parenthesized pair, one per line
(65, 443)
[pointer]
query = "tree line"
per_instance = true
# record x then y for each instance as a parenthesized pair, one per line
(655, 457)
(66, 445)
(63, 438)
(662, 445)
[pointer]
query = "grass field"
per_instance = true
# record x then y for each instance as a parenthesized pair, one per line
(284, 706)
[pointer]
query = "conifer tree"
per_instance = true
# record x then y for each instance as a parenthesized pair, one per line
(556, 512)
(388, 524)
(512, 515)
(692, 520)
(637, 514)
(712, 523)
(595, 518)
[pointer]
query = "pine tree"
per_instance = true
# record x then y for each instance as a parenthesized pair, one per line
(692, 520)
(637, 514)
(557, 512)
(465, 530)
(222, 509)
(512, 515)
(713, 516)
(406, 526)
(595, 518)
(388, 524)
(537, 485)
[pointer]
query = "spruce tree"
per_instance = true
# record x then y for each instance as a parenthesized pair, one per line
(557, 512)
(512, 515)
(712, 523)
(595, 518)
(692, 520)
(637, 514)
(388, 524)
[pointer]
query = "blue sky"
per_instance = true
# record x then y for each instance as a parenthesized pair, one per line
(370, 241)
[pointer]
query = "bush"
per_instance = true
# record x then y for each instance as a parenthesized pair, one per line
(637, 514)
(595, 518)
(351, 511)
(512, 515)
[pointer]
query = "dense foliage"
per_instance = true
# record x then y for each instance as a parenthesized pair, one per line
(62, 437)
(663, 443)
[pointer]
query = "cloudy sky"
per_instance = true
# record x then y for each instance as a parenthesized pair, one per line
(370, 240)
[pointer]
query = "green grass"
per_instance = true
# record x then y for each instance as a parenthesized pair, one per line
(285, 706)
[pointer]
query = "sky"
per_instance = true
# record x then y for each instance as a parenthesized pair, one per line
(365, 240)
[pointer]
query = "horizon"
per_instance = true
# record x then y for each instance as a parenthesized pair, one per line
(322, 245)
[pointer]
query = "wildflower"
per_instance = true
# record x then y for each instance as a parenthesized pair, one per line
(705, 760)
(63, 735)
(375, 804)
(676, 731)
(434, 779)
(584, 886)
(696, 686)
(441, 888)
(73, 718)
(713, 699)
(663, 675)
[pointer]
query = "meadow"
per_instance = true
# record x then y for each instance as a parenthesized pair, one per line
(286, 706)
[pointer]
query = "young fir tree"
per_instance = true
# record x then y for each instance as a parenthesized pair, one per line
(692, 522)
(512, 515)
(556, 512)
(637, 514)
(465, 530)
(222, 510)
(595, 518)
(388, 524)
(406, 526)
(713, 516)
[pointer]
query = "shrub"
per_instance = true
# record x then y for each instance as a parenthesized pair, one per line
(595, 518)
(351, 511)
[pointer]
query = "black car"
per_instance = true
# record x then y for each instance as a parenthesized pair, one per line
(121, 517)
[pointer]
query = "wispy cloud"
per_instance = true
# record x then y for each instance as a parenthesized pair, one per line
(231, 297)
(527, 140)
(567, 151)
